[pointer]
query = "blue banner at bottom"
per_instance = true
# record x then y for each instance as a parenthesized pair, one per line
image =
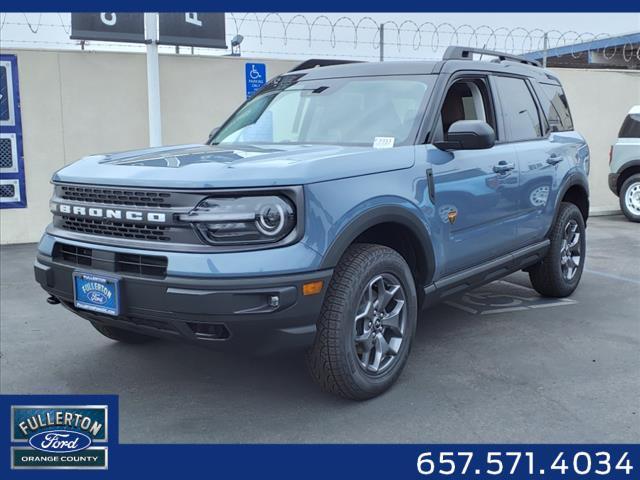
(76, 436)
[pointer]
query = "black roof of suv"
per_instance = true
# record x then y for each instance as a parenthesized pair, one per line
(454, 59)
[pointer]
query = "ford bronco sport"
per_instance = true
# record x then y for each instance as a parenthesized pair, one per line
(327, 211)
(624, 165)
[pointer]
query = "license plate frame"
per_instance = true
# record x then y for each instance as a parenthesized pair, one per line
(101, 296)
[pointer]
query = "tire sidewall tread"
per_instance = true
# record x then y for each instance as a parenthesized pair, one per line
(546, 276)
(331, 359)
(623, 191)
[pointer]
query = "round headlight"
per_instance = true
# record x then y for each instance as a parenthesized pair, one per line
(246, 219)
(270, 219)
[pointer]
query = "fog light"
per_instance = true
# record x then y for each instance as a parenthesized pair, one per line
(274, 301)
(312, 288)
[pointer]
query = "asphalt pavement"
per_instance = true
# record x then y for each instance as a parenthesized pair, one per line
(499, 364)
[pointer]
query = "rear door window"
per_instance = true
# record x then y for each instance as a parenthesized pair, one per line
(519, 109)
(630, 127)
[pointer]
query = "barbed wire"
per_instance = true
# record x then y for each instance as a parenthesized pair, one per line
(352, 35)
(35, 26)
(438, 35)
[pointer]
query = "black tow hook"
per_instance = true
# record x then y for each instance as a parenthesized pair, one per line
(53, 300)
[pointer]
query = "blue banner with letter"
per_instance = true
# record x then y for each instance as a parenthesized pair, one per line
(57, 434)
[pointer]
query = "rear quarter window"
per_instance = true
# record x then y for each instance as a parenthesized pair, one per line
(556, 108)
(630, 127)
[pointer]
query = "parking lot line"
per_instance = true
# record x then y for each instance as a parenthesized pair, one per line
(503, 310)
(613, 276)
(554, 304)
(462, 307)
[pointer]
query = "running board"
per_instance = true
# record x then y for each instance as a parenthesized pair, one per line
(484, 273)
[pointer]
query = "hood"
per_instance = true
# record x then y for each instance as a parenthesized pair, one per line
(206, 166)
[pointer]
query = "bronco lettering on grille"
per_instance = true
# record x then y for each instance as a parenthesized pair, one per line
(109, 213)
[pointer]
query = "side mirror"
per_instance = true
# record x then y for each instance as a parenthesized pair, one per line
(212, 133)
(468, 135)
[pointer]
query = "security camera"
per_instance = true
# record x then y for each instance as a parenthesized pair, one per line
(237, 40)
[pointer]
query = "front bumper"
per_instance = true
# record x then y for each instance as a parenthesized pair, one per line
(613, 183)
(224, 313)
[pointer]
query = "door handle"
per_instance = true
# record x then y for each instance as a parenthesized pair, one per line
(503, 167)
(554, 159)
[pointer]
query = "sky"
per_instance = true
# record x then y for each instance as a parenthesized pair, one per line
(422, 36)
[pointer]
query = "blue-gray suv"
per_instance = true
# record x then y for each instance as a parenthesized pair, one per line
(327, 211)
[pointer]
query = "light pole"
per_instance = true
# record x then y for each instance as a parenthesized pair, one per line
(153, 80)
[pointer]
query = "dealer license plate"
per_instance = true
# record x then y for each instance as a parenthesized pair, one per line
(96, 293)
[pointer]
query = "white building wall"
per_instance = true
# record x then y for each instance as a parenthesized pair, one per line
(599, 101)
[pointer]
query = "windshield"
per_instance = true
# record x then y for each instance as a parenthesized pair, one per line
(343, 111)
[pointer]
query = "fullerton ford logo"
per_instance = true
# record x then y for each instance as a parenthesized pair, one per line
(60, 441)
(58, 436)
(96, 292)
(108, 213)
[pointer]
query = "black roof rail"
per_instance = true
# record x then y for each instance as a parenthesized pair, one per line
(325, 62)
(466, 53)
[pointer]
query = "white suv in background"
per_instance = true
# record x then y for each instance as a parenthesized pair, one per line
(624, 165)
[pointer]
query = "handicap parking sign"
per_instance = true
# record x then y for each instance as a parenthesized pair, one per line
(255, 77)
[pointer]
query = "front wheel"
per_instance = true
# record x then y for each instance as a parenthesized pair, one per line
(366, 325)
(559, 272)
(630, 198)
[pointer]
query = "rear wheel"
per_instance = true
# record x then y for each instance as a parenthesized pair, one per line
(121, 335)
(559, 272)
(366, 325)
(630, 198)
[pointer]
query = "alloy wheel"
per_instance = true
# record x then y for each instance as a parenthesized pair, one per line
(570, 253)
(380, 323)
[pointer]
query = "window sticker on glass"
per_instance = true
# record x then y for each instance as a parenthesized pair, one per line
(383, 142)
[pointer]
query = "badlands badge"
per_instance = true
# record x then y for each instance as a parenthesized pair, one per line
(59, 437)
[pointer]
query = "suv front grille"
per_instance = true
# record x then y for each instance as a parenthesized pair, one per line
(133, 231)
(110, 196)
(101, 211)
(72, 254)
(141, 264)
(148, 265)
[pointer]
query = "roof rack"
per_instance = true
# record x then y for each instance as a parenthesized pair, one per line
(325, 62)
(466, 53)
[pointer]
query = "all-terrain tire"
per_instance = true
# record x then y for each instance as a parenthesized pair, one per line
(549, 277)
(333, 359)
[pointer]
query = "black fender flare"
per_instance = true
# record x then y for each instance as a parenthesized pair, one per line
(623, 175)
(626, 165)
(571, 181)
(373, 217)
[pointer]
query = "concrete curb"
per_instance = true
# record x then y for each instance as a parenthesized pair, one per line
(601, 212)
